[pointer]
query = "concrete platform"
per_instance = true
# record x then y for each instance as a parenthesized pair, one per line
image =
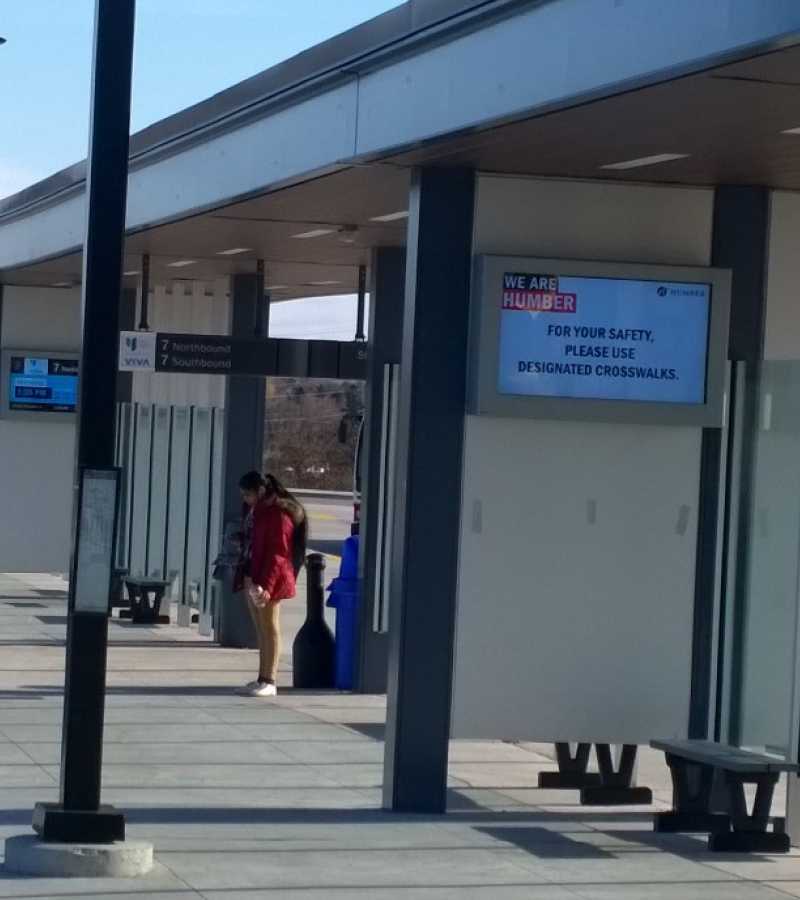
(26, 854)
(247, 799)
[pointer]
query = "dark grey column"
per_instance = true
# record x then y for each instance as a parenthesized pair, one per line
(740, 243)
(79, 816)
(243, 451)
(387, 289)
(428, 489)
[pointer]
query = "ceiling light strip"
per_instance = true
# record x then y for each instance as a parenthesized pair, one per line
(642, 161)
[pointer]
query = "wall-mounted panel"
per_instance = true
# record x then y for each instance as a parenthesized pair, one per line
(578, 539)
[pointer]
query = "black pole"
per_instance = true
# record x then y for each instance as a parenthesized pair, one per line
(362, 294)
(261, 328)
(145, 307)
(313, 651)
(78, 816)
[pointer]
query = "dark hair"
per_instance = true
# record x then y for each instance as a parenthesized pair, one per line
(291, 505)
(254, 481)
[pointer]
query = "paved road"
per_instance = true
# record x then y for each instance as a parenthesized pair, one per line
(329, 521)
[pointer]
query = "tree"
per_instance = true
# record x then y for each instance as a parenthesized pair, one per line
(301, 439)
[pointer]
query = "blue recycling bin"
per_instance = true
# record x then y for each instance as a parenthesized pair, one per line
(344, 598)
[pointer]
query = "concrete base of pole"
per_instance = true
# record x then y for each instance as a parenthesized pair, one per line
(26, 854)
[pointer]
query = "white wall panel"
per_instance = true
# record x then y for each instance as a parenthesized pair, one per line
(315, 133)
(50, 231)
(782, 337)
(37, 458)
(576, 597)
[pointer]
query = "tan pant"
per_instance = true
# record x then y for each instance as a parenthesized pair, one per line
(268, 628)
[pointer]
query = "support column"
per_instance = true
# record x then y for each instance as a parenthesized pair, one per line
(387, 290)
(78, 815)
(428, 489)
(243, 449)
(740, 243)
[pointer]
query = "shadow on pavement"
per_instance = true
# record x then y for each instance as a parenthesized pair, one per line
(374, 730)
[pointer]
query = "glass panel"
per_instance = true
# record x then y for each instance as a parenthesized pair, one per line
(140, 490)
(199, 496)
(766, 630)
(176, 513)
(215, 513)
(125, 413)
(159, 476)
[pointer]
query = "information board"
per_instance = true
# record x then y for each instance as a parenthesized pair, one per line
(97, 521)
(604, 338)
(573, 339)
(42, 384)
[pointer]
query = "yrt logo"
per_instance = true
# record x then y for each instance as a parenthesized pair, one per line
(662, 291)
(130, 343)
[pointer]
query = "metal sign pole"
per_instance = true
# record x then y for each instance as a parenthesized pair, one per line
(78, 816)
(144, 323)
(362, 295)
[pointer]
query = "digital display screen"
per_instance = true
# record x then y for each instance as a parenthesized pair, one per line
(43, 384)
(603, 338)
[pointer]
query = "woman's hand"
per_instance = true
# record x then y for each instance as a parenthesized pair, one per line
(257, 595)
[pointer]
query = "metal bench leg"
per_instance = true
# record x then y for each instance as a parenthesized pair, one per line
(159, 616)
(572, 770)
(144, 614)
(750, 832)
(135, 605)
(692, 784)
(616, 785)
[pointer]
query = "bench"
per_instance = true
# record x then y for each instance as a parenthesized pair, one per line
(609, 786)
(145, 595)
(698, 767)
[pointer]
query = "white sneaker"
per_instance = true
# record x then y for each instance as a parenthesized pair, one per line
(264, 690)
(250, 686)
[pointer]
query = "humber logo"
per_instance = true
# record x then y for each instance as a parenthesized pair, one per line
(662, 291)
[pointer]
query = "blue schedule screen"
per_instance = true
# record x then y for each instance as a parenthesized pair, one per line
(43, 384)
(603, 338)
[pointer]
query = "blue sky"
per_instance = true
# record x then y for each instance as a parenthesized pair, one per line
(185, 51)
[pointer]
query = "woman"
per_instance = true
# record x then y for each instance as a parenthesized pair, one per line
(273, 552)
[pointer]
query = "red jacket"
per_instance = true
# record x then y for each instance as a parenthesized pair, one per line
(271, 566)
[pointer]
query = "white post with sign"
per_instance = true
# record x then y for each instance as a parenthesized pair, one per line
(137, 351)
